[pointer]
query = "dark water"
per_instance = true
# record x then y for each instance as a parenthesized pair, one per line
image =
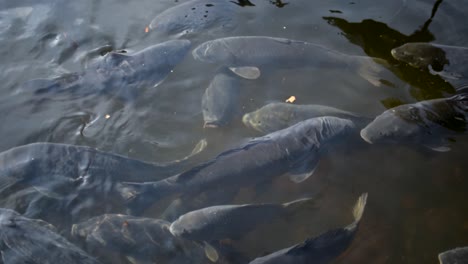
(417, 199)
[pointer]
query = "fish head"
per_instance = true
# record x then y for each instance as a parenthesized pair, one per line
(421, 55)
(82, 230)
(185, 226)
(400, 124)
(270, 118)
(8, 218)
(214, 51)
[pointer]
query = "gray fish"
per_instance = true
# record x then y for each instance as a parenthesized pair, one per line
(67, 177)
(119, 74)
(429, 123)
(447, 61)
(140, 240)
(275, 116)
(229, 221)
(220, 101)
(321, 249)
(295, 151)
(24, 240)
(195, 16)
(454, 256)
(253, 53)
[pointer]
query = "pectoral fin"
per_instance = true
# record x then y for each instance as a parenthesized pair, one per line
(246, 72)
(439, 148)
(211, 253)
(303, 172)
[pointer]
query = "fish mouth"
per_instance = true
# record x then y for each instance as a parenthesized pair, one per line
(394, 53)
(74, 231)
(246, 120)
(365, 137)
(211, 124)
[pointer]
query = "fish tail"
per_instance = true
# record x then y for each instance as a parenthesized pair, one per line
(368, 68)
(358, 211)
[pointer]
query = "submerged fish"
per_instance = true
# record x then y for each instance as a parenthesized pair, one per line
(276, 116)
(252, 54)
(229, 221)
(24, 240)
(321, 249)
(67, 178)
(140, 240)
(220, 101)
(454, 256)
(119, 74)
(195, 16)
(295, 150)
(447, 61)
(428, 123)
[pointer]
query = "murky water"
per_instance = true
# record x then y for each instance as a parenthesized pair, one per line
(417, 199)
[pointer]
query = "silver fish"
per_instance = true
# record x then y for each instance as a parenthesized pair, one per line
(137, 239)
(220, 101)
(275, 116)
(295, 151)
(429, 123)
(118, 73)
(25, 240)
(454, 256)
(229, 221)
(71, 179)
(321, 249)
(195, 16)
(254, 53)
(447, 61)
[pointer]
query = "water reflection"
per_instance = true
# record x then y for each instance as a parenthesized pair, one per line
(377, 39)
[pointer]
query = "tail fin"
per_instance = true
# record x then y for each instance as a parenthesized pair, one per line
(368, 68)
(358, 211)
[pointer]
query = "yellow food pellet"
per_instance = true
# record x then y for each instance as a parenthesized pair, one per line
(146, 29)
(107, 116)
(291, 99)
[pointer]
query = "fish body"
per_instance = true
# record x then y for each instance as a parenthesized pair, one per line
(49, 178)
(454, 256)
(228, 221)
(25, 240)
(427, 123)
(220, 101)
(136, 238)
(119, 74)
(195, 16)
(295, 150)
(275, 116)
(259, 52)
(321, 249)
(447, 61)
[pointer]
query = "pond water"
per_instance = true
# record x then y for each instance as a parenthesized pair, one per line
(417, 205)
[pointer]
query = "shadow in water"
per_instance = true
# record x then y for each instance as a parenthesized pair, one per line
(377, 40)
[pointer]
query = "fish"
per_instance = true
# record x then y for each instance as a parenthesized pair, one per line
(429, 123)
(446, 61)
(25, 240)
(138, 239)
(60, 174)
(294, 151)
(117, 74)
(253, 54)
(229, 221)
(321, 249)
(454, 256)
(220, 102)
(195, 17)
(275, 116)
